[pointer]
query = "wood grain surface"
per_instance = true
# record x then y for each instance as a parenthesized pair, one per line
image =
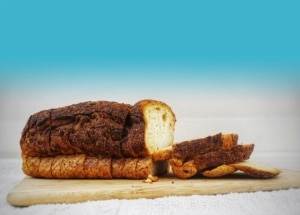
(31, 191)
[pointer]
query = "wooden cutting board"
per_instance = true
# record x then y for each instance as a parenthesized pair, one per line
(31, 191)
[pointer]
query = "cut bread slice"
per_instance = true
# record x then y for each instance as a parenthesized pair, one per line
(211, 159)
(252, 169)
(256, 170)
(189, 149)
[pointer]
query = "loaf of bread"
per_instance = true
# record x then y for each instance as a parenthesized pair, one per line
(100, 128)
(84, 166)
(100, 139)
(190, 157)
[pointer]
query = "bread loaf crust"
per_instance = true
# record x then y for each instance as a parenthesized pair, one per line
(90, 128)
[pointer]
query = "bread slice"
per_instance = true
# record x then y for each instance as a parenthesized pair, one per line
(83, 166)
(252, 169)
(187, 150)
(100, 128)
(211, 159)
(256, 170)
(190, 157)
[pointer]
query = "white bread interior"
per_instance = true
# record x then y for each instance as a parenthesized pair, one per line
(160, 126)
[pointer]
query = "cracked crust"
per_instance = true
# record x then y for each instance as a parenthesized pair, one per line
(90, 128)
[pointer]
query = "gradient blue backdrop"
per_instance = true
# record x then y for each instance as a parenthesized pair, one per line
(147, 34)
(207, 59)
(97, 49)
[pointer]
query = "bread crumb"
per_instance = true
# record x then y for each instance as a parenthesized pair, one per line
(150, 179)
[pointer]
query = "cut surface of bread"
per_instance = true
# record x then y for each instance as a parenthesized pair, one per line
(152, 129)
(160, 122)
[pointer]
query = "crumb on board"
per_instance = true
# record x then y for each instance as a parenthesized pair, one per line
(150, 179)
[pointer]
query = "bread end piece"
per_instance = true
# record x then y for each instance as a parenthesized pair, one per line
(160, 124)
(152, 129)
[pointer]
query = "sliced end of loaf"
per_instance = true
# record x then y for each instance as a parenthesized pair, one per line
(159, 125)
(151, 129)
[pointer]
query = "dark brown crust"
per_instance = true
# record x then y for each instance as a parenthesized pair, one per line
(215, 158)
(131, 145)
(91, 128)
(187, 150)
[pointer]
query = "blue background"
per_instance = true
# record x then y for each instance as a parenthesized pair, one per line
(131, 37)
(223, 66)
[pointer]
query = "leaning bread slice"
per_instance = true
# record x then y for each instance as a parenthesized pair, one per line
(187, 150)
(211, 159)
(256, 170)
(101, 167)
